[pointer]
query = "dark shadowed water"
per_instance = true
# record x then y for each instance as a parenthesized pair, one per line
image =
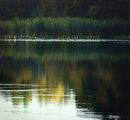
(64, 81)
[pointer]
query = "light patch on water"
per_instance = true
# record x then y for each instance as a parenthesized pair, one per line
(51, 107)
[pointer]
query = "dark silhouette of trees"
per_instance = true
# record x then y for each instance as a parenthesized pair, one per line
(58, 8)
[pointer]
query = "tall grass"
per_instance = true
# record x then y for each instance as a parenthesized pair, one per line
(64, 28)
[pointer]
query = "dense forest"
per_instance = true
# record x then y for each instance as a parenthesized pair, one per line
(10, 9)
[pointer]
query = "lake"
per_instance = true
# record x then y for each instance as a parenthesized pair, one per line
(64, 80)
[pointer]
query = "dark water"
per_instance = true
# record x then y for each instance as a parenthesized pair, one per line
(64, 81)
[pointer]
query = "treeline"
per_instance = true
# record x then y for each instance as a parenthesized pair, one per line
(10, 9)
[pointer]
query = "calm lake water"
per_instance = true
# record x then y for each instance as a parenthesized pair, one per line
(64, 81)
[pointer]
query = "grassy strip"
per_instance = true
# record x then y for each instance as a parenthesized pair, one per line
(64, 28)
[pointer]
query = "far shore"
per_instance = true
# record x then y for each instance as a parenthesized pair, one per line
(64, 28)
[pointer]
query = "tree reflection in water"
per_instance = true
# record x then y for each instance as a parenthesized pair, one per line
(95, 77)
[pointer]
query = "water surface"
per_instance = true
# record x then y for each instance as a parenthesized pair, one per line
(68, 81)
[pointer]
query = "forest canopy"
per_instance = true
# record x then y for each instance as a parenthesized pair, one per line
(104, 9)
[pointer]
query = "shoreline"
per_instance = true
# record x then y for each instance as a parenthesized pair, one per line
(65, 40)
(64, 28)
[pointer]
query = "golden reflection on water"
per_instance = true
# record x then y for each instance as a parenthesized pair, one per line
(42, 91)
(96, 85)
